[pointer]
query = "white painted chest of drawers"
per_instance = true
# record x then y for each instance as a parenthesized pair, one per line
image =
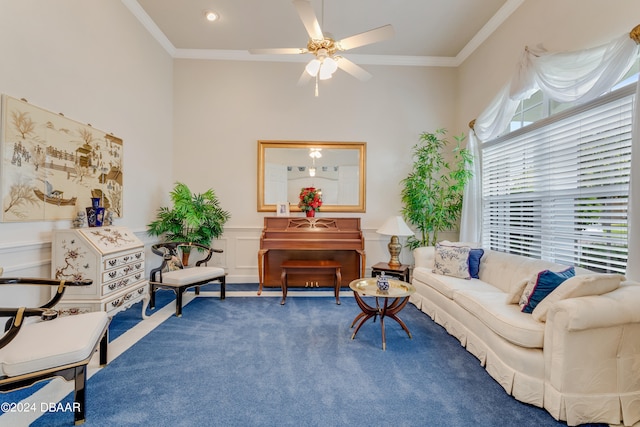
(113, 257)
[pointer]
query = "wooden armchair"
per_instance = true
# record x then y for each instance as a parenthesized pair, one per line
(33, 351)
(171, 274)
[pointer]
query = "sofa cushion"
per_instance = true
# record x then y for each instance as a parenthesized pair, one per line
(505, 320)
(504, 270)
(578, 286)
(41, 345)
(424, 256)
(447, 285)
(542, 285)
(515, 293)
(452, 261)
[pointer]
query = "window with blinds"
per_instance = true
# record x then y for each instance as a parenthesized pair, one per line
(558, 189)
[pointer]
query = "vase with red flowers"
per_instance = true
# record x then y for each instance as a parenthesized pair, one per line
(310, 200)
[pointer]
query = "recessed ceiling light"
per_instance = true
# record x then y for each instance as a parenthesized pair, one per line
(211, 15)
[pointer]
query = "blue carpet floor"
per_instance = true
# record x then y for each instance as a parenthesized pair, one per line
(248, 361)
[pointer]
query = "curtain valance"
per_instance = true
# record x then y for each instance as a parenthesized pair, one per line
(564, 77)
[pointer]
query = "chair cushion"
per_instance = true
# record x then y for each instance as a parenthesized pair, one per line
(53, 343)
(191, 275)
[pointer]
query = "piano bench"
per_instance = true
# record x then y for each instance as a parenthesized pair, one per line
(307, 265)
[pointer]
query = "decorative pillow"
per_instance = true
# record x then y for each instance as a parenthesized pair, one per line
(452, 261)
(543, 284)
(515, 292)
(578, 286)
(475, 255)
(173, 264)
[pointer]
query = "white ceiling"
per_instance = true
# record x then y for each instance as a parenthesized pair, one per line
(427, 32)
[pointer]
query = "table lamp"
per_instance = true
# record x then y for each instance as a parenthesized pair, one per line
(394, 227)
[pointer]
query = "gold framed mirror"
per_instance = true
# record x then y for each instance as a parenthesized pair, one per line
(337, 168)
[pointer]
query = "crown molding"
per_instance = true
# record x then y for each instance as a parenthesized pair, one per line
(146, 21)
(243, 55)
(488, 29)
(393, 60)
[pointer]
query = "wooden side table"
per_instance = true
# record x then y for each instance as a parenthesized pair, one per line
(398, 291)
(402, 272)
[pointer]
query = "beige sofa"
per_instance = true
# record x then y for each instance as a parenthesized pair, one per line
(582, 364)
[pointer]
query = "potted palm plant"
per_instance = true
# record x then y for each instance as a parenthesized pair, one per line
(432, 192)
(193, 218)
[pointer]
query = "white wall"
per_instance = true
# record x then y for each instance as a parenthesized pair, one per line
(223, 108)
(95, 63)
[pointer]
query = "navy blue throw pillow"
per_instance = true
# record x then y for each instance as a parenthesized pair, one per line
(475, 255)
(545, 283)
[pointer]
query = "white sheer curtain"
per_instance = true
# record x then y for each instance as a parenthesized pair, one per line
(471, 220)
(564, 77)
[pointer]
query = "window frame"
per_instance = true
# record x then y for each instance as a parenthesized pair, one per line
(544, 246)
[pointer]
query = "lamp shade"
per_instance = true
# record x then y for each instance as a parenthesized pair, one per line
(313, 67)
(395, 226)
(329, 66)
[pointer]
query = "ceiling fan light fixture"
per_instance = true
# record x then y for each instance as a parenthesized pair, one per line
(330, 64)
(315, 153)
(324, 47)
(211, 15)
(324, 73)
(313, 67)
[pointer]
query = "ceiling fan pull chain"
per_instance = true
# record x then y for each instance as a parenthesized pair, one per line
(316, 84)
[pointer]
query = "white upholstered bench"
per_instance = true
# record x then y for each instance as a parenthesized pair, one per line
(171, 274)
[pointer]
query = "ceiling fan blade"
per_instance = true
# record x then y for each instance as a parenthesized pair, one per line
(304, 78)
(309, 20)
(355, 70)
(368, 37)
(279, 51)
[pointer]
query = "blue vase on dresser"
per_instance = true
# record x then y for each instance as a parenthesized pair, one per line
(95, 213)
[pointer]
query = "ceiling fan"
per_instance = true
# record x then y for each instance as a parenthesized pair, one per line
(325, 49)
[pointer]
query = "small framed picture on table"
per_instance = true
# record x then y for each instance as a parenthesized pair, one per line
(282, 209)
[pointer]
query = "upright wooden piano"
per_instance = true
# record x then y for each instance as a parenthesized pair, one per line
(287, 238)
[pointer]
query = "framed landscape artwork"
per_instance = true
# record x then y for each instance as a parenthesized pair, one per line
(52, 166)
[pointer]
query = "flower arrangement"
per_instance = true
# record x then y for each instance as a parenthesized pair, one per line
(310, 199)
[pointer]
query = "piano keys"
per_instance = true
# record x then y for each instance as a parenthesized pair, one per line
(287, 238)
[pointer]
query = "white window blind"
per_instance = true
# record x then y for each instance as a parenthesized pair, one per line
(558, 189)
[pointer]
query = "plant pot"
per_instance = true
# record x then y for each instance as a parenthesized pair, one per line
(311, 213)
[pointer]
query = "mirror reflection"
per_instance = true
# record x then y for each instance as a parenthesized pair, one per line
(337, 168)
